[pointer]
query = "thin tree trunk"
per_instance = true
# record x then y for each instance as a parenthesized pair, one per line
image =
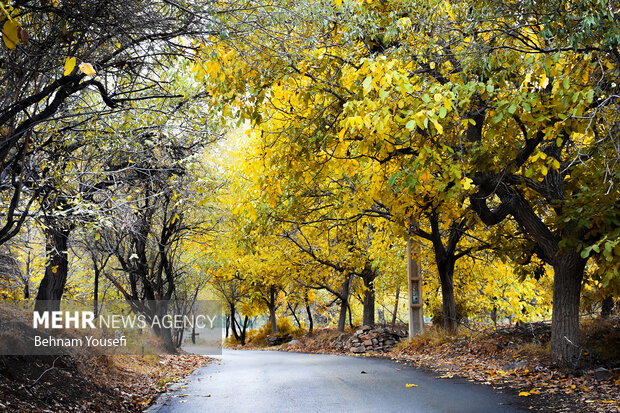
(394, 314)
(27, 277)
(96, 289)
(272, 310)
(310, 321)
(294, 315)
(344, 303)
(350, 315)
(233, 322)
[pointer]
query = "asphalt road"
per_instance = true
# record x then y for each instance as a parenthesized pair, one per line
(275, 382)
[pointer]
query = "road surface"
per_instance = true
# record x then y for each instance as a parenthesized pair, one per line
(275, 382)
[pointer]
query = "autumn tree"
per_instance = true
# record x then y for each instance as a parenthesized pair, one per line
(497, 109)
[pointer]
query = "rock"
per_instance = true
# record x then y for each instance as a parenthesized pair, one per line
(359, 332)
(276, 340)
(602, 374)
(366, 328)
(368, 343)
(511, 365)
(293, 342)
(359, 349)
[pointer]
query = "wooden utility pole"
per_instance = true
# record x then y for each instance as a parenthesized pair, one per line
(414, 282)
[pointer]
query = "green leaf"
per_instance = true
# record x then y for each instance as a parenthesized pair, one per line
(393, 179)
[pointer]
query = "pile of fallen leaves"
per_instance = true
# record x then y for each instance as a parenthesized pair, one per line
(88, 383)
(517, 358)
(324, 340)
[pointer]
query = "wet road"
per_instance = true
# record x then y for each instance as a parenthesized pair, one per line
(274, 382)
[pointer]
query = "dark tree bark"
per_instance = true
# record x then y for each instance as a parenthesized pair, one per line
(394, 314)
(607, 307)
(309, 313)
(344, 302)
(446, 276)
(272, 309)
(52, 286)
(368, 276)
(96, 288)
(239, 331)
(292, 310)
(565, 343)
(567, 263)
(446, 256)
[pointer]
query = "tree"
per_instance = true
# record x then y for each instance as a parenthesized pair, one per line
(53, 54)
(470, 103)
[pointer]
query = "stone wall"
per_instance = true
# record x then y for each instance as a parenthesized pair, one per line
(375, 339)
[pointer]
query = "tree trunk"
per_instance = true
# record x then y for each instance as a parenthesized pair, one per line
(310, 321)
(27, 278)
(565, 345)
(607, 307)
(52, 286)
(294, 315)
(446, 275)
(233, 322)
(368, 317)
(394, 314)
(244, 329)
(96, 289)
(344, 303)
(368, 276)
(350, 315)
(272, 310)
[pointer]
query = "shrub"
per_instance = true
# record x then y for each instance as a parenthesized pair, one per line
(462, 313)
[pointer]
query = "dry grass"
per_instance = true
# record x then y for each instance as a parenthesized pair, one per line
(256, 338)
(430, 338)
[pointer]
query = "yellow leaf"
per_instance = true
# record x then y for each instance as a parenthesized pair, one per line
(69, 66)
(54, 269)
(87, 69)
(617, 382)
(466, 182)
(411, 385)
(534, 391)
(10, 34)
(524, 393)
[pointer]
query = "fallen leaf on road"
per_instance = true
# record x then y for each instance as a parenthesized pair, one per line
(411, 385)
